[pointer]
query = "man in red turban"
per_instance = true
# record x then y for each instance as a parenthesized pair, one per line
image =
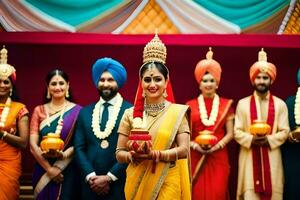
(260, 173)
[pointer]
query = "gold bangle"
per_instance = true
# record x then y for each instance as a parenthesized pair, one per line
(118, 149)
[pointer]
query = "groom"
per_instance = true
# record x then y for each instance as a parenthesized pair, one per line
(96, 134)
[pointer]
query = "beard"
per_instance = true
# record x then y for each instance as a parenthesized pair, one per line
(107, 93)
(262, 88)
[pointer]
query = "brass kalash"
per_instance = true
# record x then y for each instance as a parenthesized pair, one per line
(139, 138)
(206, 139)
(51, 144)
(260, 128)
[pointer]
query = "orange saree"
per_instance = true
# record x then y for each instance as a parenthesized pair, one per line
(10, 157)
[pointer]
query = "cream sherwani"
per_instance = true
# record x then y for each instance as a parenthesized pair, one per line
(280, 132)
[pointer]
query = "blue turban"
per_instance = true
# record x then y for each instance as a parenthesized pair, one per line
(115, 68)
(298, 77)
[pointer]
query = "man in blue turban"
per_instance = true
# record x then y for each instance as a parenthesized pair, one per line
(291, 149)
(96, 134)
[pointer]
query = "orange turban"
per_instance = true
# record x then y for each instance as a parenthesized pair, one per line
(262, 66)
(208, 65)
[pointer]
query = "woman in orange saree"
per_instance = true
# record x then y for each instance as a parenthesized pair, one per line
(161, 172)
(210, 167)
(13, 131)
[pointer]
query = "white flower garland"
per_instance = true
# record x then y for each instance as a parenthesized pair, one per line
(214, 111)
(297, 107)
(111, 121)
(5, 112)
(60, 121)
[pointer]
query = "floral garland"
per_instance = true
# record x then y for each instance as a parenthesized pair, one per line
(214, 111)
(111, 121)
(5, 112)
(297, 107)
(60, 120)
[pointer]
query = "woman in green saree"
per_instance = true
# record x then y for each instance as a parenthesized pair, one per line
(54, 178)
(162, 172)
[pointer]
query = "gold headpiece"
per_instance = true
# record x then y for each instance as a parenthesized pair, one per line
(209, 54)
(6, 70)
(155, 51)
(262, 55)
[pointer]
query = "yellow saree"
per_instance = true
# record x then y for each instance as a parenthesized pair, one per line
(166, 182)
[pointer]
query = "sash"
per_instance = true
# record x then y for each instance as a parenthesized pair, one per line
(143, 183)
(261, 163)
(69, 120)
(224, 107)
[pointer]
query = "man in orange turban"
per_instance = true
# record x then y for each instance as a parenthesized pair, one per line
(208, 65)
(257, 176)
(262, 66)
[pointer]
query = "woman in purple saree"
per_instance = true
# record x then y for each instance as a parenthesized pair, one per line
(54, 178)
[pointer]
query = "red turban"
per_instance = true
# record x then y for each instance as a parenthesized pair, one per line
(208, 65)
(262, 66)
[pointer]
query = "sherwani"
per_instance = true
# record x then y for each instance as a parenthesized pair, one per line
(242, 135)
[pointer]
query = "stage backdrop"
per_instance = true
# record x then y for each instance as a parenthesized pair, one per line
(35, 54)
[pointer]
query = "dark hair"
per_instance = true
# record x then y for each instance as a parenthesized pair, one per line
(14, 96)
(160, 67)
(50, 75)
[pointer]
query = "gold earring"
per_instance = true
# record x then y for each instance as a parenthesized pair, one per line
(48, 95)
(143, 94)
(165, 95)
(67, 94)
(10, 92)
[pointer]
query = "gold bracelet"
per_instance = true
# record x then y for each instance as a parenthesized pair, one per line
(118, 149)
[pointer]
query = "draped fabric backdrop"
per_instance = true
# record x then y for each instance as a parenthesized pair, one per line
(35, 54)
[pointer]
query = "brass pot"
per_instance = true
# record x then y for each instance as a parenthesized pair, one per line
(52, 141)
(206, 139)
(260, 128)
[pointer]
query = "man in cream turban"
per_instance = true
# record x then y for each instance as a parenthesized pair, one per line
(260, 170)
(96, 134)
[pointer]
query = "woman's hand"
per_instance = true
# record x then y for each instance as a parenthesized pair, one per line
(201, 150)
(216, 147)
(55, 174)
(139, 157)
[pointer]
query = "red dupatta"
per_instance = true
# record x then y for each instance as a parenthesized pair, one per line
(260, 155)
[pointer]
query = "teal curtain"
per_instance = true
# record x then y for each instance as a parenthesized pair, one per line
(243, 13)
(74, 12)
